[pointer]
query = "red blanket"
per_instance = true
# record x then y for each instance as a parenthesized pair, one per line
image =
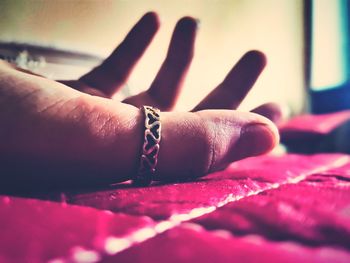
(292, 208)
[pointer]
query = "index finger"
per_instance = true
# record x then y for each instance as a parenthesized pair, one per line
(114, 71)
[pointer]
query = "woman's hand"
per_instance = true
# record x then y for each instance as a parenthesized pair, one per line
(72, 134)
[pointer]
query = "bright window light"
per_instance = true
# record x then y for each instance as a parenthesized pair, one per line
(329, 44)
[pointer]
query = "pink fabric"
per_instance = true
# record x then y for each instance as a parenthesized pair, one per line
(38, 231)
(241, 179)
(314, 124)
(292, 208)
(191, 243)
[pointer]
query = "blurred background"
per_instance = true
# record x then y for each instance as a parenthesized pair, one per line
(293, 35)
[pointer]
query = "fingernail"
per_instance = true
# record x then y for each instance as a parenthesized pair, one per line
(256, 139)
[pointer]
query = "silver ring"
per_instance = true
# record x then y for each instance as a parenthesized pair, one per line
(150, 147)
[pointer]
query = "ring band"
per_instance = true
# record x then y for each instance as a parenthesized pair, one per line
(150, 148)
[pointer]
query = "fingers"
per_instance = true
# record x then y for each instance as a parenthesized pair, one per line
(230, 93)
(114, 71)
(272, 111)
(194, 144)
(52, 136)
(168, 82)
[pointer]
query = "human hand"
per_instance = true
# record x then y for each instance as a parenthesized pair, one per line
(54, 134)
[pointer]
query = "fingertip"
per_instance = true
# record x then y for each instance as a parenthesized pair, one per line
(272, 136)
(151, 19)
(254, 140)
(187, 22)
(256, 57)
(259, 137)
(273, 111)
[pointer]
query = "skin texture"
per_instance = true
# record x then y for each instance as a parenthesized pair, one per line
(72, 134)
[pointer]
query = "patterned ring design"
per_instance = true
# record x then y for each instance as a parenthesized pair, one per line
(150, 148)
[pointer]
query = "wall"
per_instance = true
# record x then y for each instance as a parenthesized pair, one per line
(227, 30)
